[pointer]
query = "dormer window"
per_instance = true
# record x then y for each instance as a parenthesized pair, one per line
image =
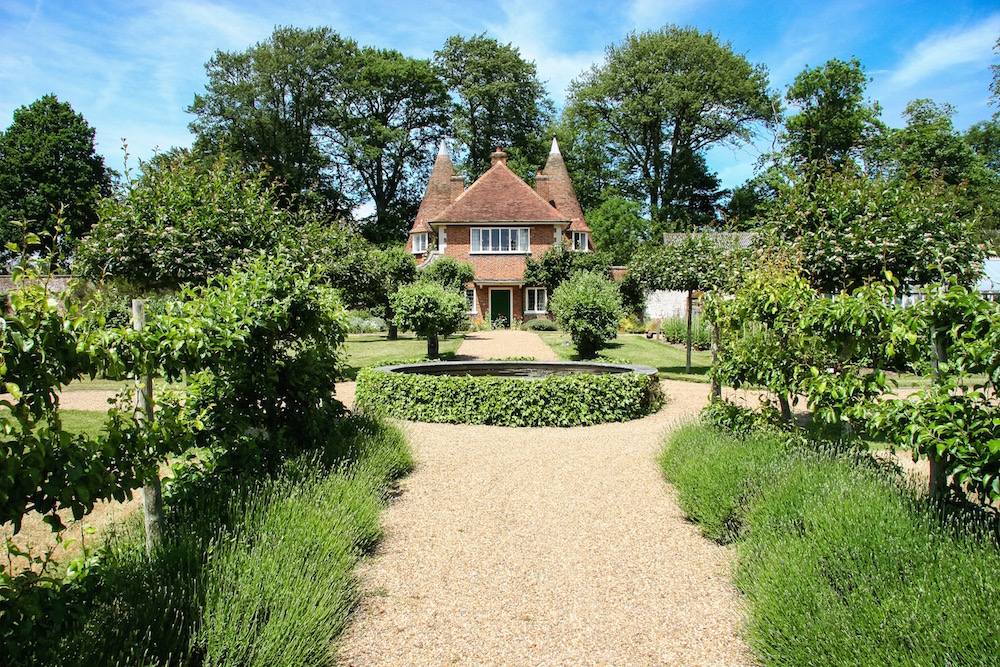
(420, 243)
(581, 241)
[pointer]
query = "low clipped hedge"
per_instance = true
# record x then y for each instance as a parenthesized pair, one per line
(503, 401)
(540, 324)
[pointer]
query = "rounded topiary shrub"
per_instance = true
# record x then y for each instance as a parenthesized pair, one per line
(588, 306)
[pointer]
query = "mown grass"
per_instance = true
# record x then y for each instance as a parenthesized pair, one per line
(255, 569)
(669, 360)
(840, 563)
(367, 350)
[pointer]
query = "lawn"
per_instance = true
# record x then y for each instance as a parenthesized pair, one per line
(366, 350)
(668, 359)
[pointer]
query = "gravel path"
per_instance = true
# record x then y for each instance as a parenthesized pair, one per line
(544, 546)
(504, 344)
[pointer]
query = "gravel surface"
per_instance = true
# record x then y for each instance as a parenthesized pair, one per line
(504, 344)
(544, 546)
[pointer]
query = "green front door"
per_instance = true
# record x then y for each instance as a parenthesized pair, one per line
(500, 307)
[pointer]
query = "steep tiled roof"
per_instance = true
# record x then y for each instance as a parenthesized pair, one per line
(500, 195)
(560, 189)
(437, 196)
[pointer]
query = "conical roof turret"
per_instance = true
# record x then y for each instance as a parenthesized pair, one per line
(560, 189)
(438, 195)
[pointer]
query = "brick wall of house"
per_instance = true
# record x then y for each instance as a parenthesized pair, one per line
(498, 266)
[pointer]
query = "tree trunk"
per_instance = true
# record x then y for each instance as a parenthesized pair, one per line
(432, 346)
(689, 300)
(716, 340)
(786, 410)
(938, 482)
(152, 491)
(393, 331)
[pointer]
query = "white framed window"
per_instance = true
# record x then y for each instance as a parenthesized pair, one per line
(470, 299)
(500, 239)
(420, 243)
(580, 240)
(535, 300)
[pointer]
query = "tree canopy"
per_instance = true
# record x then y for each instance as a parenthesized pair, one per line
(48, 163)
(266, 105)
(499, 102)
(834, 121)
(657, 101)
(181, 223)
(329, 120)
(391, 112)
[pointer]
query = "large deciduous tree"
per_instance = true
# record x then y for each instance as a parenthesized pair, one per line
(266, 105)
(391, 112)
(47, 162)
(499, 101)
(834, 122)
(657, 102)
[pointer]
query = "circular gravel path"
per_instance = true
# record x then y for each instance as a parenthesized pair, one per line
(544, 546)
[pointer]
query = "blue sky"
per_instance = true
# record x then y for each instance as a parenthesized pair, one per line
(132, 67)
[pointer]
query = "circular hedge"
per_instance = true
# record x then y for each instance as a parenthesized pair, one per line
(619, 394)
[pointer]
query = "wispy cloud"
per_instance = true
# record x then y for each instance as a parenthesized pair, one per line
(653, 14)
(946, 50)
(546, 35)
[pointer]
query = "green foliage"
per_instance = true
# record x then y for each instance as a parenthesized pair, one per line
(657, 102)
(838, 562)
(618, 228)
(388, 113)
(540, 324)
(267, 105)
(429, 309)
(181, 222)
(265, 348)
(955, 422)
(674, 330)
(43, 466)
(588, 307)
(699, 262)
(178, 608)
(502, 401)
(49, 170)
(558, 264)
(450, 273)
(499, 101)
(849, 229)
(834, 122)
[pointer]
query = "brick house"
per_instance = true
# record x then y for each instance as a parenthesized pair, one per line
(494, 225)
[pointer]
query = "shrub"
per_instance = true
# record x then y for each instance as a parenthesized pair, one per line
(504, 401)
(839, 562)
(429, 309)
(589, 307)
(540, 324)
(242, 556)
(674, 330)
(448, 272)
(364, 322)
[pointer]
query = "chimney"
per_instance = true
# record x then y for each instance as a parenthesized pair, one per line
(498, 156)
(457, 186)
(542, 185)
